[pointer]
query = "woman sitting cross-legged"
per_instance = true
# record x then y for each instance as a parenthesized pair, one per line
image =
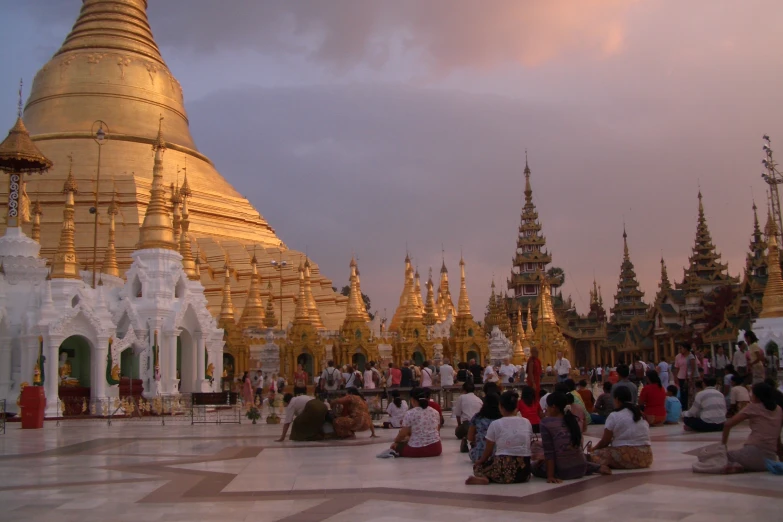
(626, 440)
(561, 437)
(420, 433)
(653, 400)
(506, 457)
(766, 420)
(354, 417)
(479, 424)
(396, 410)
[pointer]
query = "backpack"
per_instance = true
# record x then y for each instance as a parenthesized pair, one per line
(329, 377)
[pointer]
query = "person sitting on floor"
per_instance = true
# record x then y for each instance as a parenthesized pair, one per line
(561, 438)
(528, 407)
(603, 406)
(673, 405)
(653, 400)
(479, 424)
(465, 407)
(623, 372)
(419, 436)
(766, 420)
(355, 416)
(575, 408)
(587, 395)
(739, 397)
(396, 410)
(626, 440)
(506, 456)
(708, 412)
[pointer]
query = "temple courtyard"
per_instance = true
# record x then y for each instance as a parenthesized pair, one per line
(87, 470)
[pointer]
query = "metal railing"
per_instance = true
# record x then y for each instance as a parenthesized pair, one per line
(2, 415)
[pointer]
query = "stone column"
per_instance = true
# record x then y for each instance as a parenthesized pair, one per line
(613, 357)
(656, 350)
(51, 347)
(98, 370)
(5, 369)
(198, 337)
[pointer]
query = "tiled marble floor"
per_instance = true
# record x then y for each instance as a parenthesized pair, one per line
(90, 471)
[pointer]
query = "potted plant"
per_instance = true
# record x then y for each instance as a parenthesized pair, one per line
(253, 414)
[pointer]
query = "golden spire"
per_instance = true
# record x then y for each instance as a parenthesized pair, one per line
(463, 301)
(227, 306)
(157, 230)
(402, 307)
(772, 302)
(664, 284)
(626, 255)
(417, 292)
(355, 308)
(520, 326)
(36, 232)
(253, 313)
(176, 201)
(197, 263)
(546, 314)
(269, 314)
(65, 264)
(189, 265)
(110, 257)
(529, 333)
(430, 308)
(301, 315)
(312, 307)
(445, 301)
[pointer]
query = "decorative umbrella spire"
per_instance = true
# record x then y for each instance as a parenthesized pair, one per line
(312, 307)
(110, 258)
(157, 230)
(253, 313)
(301, 315)
(464, 300)
(227, 306)
(65, 264)
(772, 302)
(185, 248)
(269, 314)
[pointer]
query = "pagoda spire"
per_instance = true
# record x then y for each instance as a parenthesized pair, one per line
(185, 248)
(491, 315)
(520, 327)
(417, 292)
(529, 331)
(355, 309)
(253, 313)
(65, 264)
(772, 302)
(270, 321)
(301, 315)
(412, 310)
(664, 285)
(176, 204)
(756, 259)
(431, 315)
(35, 234)
(628, 299)
(312, 307)
(445, 301)
(705, 271)
(464, 300)
(227, 306)
(546, 313)
(157, 230)
(110, 257)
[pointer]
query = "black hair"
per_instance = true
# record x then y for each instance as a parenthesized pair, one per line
(729, 368)
(462, 366)
(491, 387)
(560, 401)
(571, 384)
(330, 363)
(287, 398)
(751, 337)
(542, 393)
(422, 397)
(623, 395)
(737, 379)
(710, 380)
(468, 387)
(654, 378)
(766, 395)
(570, 399)
(607, 387)
(770, 382)
(353, 391)
(583, 383)
(623, 371)
(528, 395)
(562, 387)
(509, 401)
(491, 407)
(396, 398)
(672, 389)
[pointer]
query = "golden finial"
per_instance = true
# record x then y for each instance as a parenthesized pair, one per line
(269, 314)
(157, 230)
(189, 265)
(227, 306)
(301, 316)
(625, 243)
(19, 105)
(463, 301)
(253, 313)
(65, 264)
(159, 144)
(355, 309)
(37, 212)
(529, 332)
(312, 307)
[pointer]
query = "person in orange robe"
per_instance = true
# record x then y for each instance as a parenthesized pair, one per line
(534, 370)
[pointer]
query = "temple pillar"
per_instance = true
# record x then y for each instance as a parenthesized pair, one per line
(614, 364)
(51, 346)
(5, 369)
(202, 384)
(656, 350)
(98, 369)
(672, 349)
(168, 363)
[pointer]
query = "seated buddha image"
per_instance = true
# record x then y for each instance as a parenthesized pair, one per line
(65, 372)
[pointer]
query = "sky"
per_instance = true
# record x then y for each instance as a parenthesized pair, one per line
(374, 127)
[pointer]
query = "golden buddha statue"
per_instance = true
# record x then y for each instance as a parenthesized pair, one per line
(65, 372)
(210, 371)
(115, 372)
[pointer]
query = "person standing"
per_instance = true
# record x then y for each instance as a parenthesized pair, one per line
(446, 374)
(406, 378)
(507, 371)
(562, 367)
(476, 370)
(247, 390)
(756, 359)
(740, 360)
(663, 372)
(426, 375)
(330, 378)
(719, 363)
(534, 371)
(490, 375)
(599, 374)
(685, 364)
(300, 380)
(395, 376)
(372, 379)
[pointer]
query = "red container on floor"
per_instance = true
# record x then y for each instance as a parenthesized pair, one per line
(33, 403)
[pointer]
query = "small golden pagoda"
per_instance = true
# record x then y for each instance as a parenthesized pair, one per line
(237, 345)
(109, 266)
(467, 340)
(548, 337)
(303, 345)
(412, 339)
(356, 340)
(65, 265)
(445, 302)
(772, 302)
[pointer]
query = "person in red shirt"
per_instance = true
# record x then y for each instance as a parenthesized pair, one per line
(395, 374)
(586, 394)
(533, 371)
(653, 399)
(529, 408)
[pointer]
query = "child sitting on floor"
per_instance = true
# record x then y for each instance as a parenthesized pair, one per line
(673, 405)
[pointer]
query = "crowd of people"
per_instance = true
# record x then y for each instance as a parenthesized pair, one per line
(510, 435)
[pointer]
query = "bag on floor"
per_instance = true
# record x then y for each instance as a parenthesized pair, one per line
(712, 459)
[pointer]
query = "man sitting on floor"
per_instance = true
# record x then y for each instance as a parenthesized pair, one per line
(307, 414)
(708, 412)
(465, 407)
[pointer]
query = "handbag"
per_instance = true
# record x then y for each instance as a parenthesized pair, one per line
(712, 459)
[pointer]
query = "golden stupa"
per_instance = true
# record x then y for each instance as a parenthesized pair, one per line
(109, 68)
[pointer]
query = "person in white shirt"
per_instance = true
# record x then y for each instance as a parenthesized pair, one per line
(507, 371)
(562, 367)
(446, 373)
(740, 359)
(663, 373)
(490, 375)
(506, 458)
(295, 406)
(708, 412)
(625, 443)
(464, 409)
(330, 377)
(599, 374)
(426, 375)
(371, 376)
(396, 410)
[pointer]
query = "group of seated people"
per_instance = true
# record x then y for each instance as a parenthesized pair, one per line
(312, 418)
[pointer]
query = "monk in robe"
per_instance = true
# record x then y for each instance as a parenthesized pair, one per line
(534, 370)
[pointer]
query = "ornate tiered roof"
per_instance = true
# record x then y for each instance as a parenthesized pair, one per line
(628, 299)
